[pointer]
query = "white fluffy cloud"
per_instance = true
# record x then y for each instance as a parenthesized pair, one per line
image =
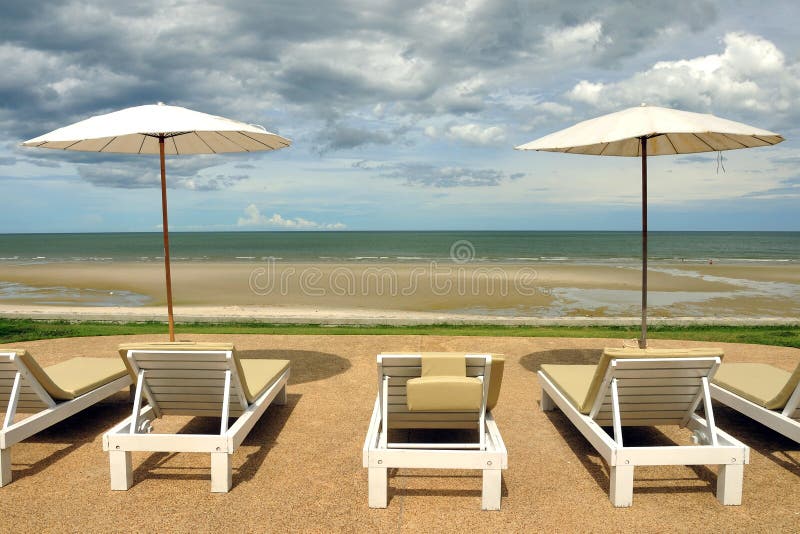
(254, 217)
(575, 41)
(750, 76)
(470, 133)
(473, 134)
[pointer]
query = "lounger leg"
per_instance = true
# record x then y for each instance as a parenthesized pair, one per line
(280, 398)
(547, 403)
(729, 484)
(5, 466)
(621, 492)
(378, 487)
(221, 473)
(121, 471)
(492, 482)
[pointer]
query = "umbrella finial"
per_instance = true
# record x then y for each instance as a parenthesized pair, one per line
(643, 104)
(160, 104)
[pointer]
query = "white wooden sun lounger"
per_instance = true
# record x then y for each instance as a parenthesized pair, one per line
(647, 387)
(199, 380)
(391, 411)
(762, 392)
(49, 395)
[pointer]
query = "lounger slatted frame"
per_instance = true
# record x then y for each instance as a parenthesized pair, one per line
(390, 412)
(785, 421)
(21, 392)
(193, 383)
(651, 392)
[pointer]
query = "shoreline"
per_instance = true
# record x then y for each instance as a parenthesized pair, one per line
(351, 317)
(472, 291)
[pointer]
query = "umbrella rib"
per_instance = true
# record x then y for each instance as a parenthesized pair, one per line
(765, 141)
(174, 144)
(604, 148)
(734, 140)
(260, 142)
(141, 145)
(710, 148)
(204, 142)
(109, 142)
(70, 145)
(231, 141)
(669, 140)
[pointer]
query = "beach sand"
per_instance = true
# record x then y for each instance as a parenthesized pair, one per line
(503, 290)
(300, 468)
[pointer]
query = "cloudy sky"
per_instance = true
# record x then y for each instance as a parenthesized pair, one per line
(403, 115)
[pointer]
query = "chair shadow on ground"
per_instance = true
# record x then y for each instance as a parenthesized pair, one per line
(473, 475)
(73, 432)
(764, 440)
(307, 365)
(436, 436)
(533, 361)
(263, 437)
(633, 436)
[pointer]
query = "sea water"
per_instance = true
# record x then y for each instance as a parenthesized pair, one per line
(401, 247)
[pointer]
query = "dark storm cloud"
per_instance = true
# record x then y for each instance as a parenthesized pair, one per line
(190, 173)
(313, 61)
(630, 25)
(336, 136)
(423, 174)
(788, 188)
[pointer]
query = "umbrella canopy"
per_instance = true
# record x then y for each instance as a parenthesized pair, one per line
(668, 131)
(655, 131)
(160, 129)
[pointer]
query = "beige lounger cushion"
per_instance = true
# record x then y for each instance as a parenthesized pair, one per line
(760, 383)
(445, 387)
(443, 364)
(72, 378)
(574, 381)
(444, 394)
(495, 380)
(255, 375)
(580, 383)
(258, 375)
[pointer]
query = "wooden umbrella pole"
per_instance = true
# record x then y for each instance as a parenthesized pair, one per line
(643, 339)
(165, 228)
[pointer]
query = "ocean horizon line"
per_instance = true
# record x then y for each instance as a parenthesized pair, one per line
(355, 231)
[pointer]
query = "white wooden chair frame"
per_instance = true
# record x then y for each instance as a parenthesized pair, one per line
(133, 434)
(786, 421)
(379, 455)
(658, 380)
(26, 394)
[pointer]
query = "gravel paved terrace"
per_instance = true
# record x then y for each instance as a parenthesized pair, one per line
(300, 468)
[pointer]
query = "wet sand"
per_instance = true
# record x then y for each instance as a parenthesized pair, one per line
(504, 290)
(300, 468)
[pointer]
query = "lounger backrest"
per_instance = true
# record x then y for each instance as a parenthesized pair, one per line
(791, 388)
(250, 390)
(610, 354)
(400, 367)
(188, 380)
(31, 398)
(653, 391)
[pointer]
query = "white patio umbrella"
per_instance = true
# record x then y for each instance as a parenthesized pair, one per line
(160, 129)
(652, 131)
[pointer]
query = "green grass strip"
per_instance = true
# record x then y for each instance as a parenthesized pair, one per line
(19, 330)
